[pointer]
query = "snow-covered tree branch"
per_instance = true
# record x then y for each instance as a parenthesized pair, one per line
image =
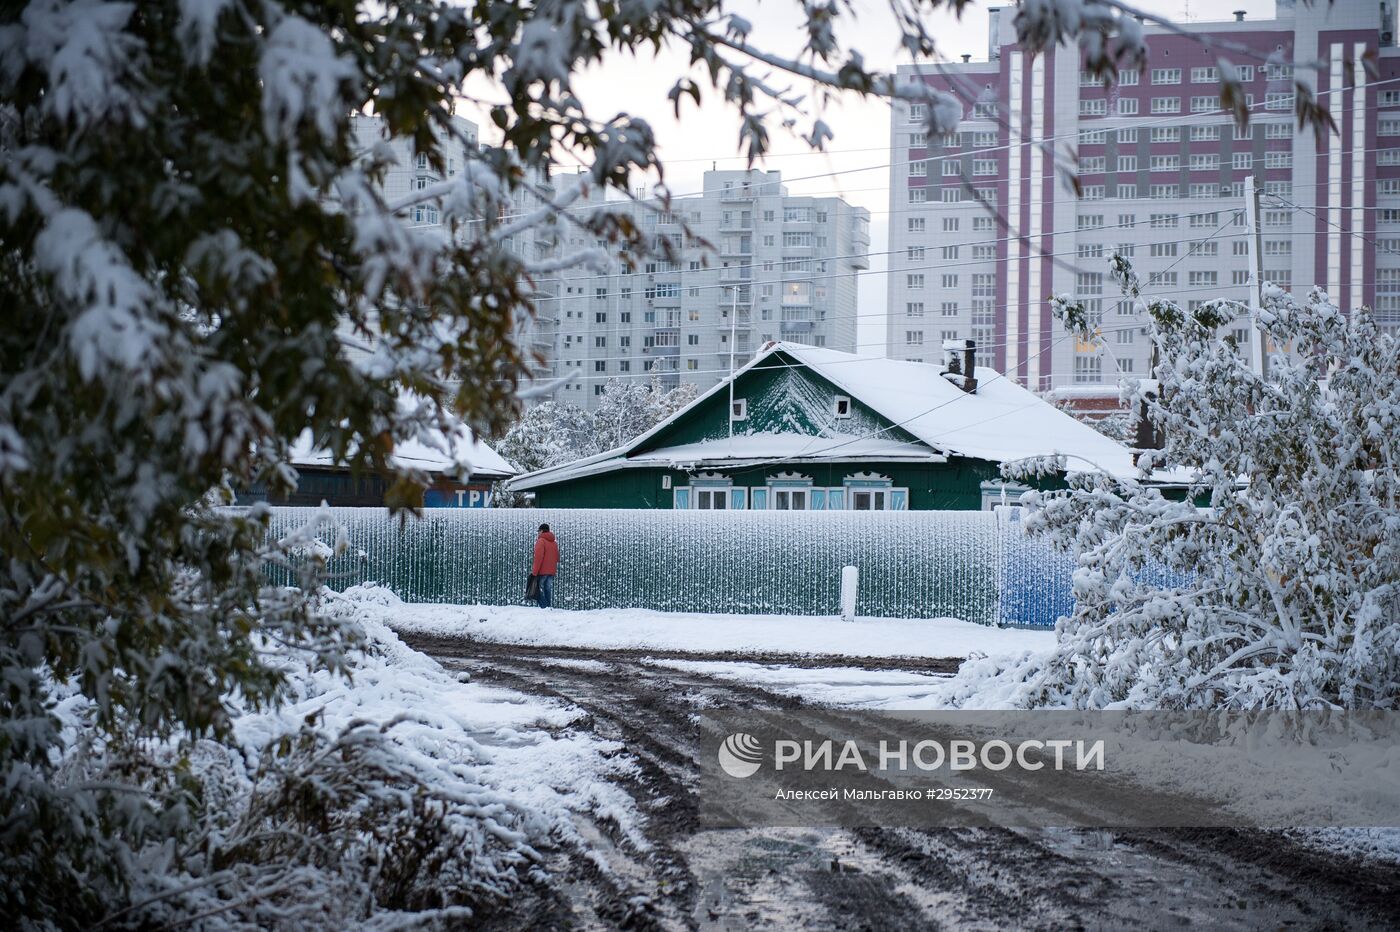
(1276, 581)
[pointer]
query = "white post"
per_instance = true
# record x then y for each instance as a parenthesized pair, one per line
(850, 584)
(1254, 239)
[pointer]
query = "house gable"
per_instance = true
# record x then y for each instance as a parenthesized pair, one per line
(783, 396)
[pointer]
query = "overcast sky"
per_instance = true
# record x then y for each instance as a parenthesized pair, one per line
(707, 136)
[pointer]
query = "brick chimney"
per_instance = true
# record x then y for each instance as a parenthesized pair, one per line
(958, 356)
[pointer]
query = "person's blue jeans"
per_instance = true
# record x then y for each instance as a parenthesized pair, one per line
(546, 591)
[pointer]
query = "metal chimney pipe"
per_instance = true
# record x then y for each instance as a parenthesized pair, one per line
(1239, 16)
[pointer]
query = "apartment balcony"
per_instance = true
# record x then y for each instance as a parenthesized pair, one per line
(738, 195)
(736, 225)
(798, 326)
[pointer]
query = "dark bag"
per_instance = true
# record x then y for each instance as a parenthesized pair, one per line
(532, 588)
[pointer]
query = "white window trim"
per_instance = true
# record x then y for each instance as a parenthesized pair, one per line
(739, 411)
(789, 482)
(836, 406)
(996, 492)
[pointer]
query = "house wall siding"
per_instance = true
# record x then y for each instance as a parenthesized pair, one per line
(952, 486)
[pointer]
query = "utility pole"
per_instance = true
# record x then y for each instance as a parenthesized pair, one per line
(1257, 344)
(733, 327)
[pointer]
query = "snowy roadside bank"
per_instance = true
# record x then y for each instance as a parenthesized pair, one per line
(640, 628)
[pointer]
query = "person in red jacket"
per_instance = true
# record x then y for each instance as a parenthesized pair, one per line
(546, 564)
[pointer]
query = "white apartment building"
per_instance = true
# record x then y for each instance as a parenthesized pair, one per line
(762, 265)
(411, 170)
(985, 225)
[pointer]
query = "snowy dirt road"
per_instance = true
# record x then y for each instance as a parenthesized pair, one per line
(683, 877)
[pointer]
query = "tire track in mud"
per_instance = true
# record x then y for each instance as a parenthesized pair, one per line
(870, 878)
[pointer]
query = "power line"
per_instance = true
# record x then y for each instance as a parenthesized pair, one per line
(1176, 119)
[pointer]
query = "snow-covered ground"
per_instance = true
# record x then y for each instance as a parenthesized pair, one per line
(514, 752)
(842, 687)
(639, 628)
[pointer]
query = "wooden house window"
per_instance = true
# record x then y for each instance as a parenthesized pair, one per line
(841, 406)
(712, 499)
(739, 410)
(789, 499)
(869, 499)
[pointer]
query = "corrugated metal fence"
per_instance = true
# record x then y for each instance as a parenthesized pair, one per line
(913, 564)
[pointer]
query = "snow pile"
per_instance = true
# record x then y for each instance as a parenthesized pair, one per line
(640, 628)
(395, 795)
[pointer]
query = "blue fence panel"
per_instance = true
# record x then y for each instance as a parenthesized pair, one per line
(1034, 578)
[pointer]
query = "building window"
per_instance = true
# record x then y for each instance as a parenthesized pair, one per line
(1278, 101)
(1166, 134)
(1093, 107)
(1088, 370)
(1209, 75)
(712, 499)
(984, 166)
(914, 309)
(869, 499)
(1166, 75)
(1127, 163)
(739, 411)
(952, 169)
(1127, 106)
(790, 499)
(1128, 77)
(841, 406)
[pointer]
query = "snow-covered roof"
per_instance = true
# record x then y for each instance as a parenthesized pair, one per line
(999, 422)
(481, 461)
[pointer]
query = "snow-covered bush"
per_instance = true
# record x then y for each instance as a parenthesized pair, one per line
(1284, 589)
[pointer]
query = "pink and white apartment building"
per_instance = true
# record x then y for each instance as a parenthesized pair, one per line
(985, 224)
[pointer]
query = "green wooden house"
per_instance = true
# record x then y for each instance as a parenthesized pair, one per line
(806, 428)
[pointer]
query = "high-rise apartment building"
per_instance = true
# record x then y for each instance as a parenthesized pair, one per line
(762, 265)
(411, 170)
(985, 223)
